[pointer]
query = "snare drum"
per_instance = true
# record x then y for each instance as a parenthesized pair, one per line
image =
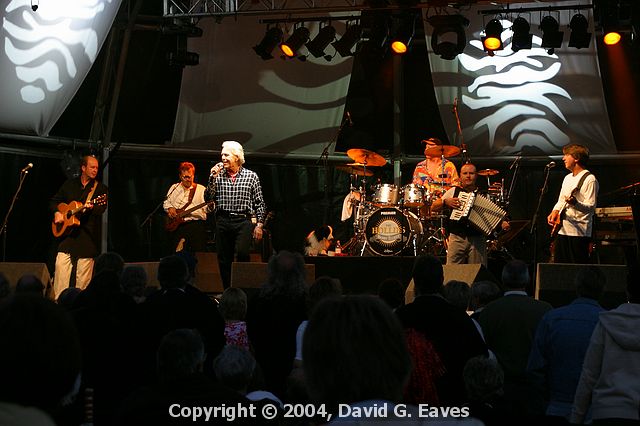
(389, 231)
(385, 195)
(413, 195)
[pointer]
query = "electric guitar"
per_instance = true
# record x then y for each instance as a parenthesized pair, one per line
(69, 213)
(557, 224)
(173, 223)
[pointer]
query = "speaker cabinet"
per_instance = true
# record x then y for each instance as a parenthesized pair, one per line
(14, 270)
(466, 273)
(555, 283)
(254, 274)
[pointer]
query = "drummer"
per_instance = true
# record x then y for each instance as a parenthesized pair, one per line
(430, 172)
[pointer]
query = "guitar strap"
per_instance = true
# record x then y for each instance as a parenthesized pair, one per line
(93, 189)
(581, 181)
(192, 192)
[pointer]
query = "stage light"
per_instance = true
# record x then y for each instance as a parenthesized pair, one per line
(551, 36)
(182, 57)
(299, 37)
(317, 46)
(580, 37)
(445, 28)
(405, 29)
(348, 40)
(269, 42)
(521, 38)
(492, 40)
(611, 38)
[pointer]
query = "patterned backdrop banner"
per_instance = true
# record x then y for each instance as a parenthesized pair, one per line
(46, 55)
(275, 106)
(526, 101)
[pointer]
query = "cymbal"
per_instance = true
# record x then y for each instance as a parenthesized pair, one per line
(442, 150)
(367, 157)
(354, 169)
(488, 172)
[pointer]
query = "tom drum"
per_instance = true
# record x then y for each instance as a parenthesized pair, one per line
(385, 195)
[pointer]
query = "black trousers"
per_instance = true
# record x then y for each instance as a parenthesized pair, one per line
(571, 249)
(195, 234)
(233, 236)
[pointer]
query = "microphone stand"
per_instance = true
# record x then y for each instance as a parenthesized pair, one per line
(149, 219)
(3, 230)
(534, 223)
(324, 157)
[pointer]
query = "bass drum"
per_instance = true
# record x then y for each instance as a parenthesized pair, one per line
(389, 231)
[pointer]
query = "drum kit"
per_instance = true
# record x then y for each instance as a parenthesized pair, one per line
(389, 220)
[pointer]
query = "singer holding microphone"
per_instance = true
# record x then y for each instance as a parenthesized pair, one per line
(181, 199)
(573, 212)
(237, 195)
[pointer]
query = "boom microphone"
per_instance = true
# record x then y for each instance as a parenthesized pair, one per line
(551, 165)
(27, 168)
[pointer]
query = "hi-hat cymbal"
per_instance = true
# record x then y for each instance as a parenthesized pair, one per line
(354, 169)
(442, 150)
(367, 157)
(488, 172)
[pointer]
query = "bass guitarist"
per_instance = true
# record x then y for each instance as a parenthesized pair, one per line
(572, 215)
(186, 224)
(81, 241)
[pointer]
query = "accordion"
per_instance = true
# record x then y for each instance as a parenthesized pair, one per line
(481, 212)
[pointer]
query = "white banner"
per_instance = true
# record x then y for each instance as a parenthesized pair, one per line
(46, 55)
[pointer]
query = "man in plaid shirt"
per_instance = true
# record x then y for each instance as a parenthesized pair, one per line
(238, 195)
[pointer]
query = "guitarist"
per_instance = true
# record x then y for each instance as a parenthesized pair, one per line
(573, 212)
(181, 197)
(78, 248)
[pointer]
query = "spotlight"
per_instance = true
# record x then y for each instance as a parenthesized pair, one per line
(579, 36)
(492, 40)
(521, 38)
(269, 42)
(551, 36)
(299, 37)
(348, 40)
(182, 57)
(612, 37)
(325, 36)
(404, 32)
(445, 29)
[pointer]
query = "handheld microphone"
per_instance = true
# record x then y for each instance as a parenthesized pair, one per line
(551, 165)
(216, 169)
(27, 168)
(515, 162)
(349, 120)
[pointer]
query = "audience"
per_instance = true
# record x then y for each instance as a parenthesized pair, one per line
(233, 307)
(40, 361)
(457, 293)
(134, 282)
(274, 316)
(561, 342)
(484, 381)
(609, 378)
(391, 291)
(448, 328)
(29, 283)
(509, 324)
(109, 261)
(5, 287)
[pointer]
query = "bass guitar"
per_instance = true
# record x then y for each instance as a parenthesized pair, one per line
(70, 212)
(173, 223)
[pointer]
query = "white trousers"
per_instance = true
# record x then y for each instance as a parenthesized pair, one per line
(62, 275)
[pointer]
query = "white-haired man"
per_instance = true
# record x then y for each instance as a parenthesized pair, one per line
(238, 195)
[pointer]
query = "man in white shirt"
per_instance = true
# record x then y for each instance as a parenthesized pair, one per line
(187, 211)
(573, 212)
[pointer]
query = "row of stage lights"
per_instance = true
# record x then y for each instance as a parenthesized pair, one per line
(448, 38)
(400, 32)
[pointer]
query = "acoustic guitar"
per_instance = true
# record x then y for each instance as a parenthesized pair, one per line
(70, 212)
(173, 223)
(557, 224)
